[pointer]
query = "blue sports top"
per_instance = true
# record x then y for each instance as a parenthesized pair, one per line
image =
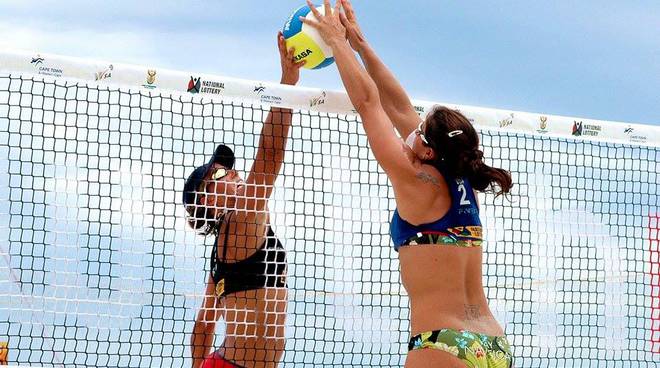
(460, 226)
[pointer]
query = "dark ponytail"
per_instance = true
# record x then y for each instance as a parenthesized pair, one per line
(460, 153)
(482, 177)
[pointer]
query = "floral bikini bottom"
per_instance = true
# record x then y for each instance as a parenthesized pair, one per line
(474, 349)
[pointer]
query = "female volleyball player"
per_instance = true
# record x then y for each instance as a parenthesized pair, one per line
(436, 227)
(247, 282)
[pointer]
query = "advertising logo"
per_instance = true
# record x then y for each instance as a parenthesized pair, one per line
(151, 79)
(197, 85)
(194, 84)
(303, 54)
(260, 90)
(151, 76)
(317, 101)
(634, 137)
(579, 129)
(220, 288)
(37, 60)
(507, 121)
(104, 74)
(212, 87)
(543, 125)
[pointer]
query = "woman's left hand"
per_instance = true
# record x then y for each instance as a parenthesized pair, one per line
(290, 68)
(328, 25)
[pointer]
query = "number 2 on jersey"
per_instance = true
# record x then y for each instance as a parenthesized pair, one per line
(461, 188)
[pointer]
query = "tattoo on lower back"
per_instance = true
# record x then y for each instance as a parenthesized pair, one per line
(472, 311)
(427, 178)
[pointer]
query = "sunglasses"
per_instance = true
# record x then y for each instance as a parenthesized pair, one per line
(421, 135)
(217, 173)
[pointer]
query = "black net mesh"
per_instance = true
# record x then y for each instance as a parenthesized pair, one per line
(98, 267)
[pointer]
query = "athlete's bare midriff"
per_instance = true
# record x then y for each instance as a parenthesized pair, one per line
(445, 289)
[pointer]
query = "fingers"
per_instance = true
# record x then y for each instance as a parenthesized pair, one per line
(280, 42)
(310, 22)
(344, 20)
(326, 6)
(289, 58)
(337, 7)
(348, 8)
(285, 54)
(288, 54)
(315, 11)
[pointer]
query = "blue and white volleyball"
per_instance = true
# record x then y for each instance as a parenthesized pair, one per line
(306, 40)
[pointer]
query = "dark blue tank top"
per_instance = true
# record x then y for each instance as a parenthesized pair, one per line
(460, 226)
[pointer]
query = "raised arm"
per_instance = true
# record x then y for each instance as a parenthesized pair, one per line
(272, 142)
(393, 97)
(387, 147)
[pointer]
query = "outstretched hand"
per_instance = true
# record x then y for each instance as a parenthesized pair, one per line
(353, 32)
(290, 68)
(329, 25)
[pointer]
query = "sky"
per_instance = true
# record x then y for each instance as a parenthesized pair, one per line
(592, 58)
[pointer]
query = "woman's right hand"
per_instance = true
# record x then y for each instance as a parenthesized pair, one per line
(353, 33)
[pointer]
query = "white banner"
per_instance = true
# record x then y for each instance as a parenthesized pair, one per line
(232, 89)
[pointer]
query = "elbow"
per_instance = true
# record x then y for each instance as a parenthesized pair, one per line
(368, 100)
(204, 324)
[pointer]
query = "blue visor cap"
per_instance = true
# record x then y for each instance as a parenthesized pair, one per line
(222, 155)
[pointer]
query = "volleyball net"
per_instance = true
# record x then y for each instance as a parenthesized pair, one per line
(98, 266)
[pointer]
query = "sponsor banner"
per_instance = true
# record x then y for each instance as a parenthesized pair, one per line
(196, 85)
